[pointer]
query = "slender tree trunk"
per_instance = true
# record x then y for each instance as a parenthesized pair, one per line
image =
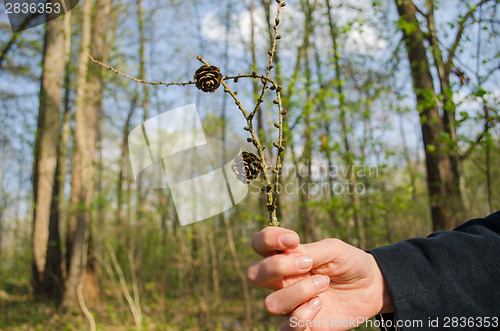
(325, 147)
(241, 275)
(78, 225)
(355, 219)
(89, 87)
(215, 267)
(206, 297)
(305, 180)
(141, 193)
(2, 163)
(406, 154)
(145, 98)
(122, 163)
(442, 175)
(45, 232)
(57, 207)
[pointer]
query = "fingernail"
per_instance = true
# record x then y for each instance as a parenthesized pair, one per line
(322, 281)
(303, 262)
(288, 240)
(314, 303)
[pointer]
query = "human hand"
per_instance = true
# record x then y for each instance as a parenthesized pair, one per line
(325, 285)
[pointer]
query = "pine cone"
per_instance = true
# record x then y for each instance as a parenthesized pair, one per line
(207, 78)
(246, 167)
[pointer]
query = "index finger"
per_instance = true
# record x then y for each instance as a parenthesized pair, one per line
(271, 239)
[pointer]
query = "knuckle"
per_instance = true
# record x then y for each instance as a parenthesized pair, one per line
(254, 239)
(271, 305)
(332, 241)
(267, 240)
(300, 314)
(252, 273)
(306, 287)
(279, 265)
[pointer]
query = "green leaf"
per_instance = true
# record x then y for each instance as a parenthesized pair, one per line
(479, 92)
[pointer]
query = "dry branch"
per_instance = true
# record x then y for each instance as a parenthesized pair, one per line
(270, 188)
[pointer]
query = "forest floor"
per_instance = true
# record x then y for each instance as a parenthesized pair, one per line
(19, 312)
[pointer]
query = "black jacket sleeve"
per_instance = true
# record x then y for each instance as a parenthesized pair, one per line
(448, 281)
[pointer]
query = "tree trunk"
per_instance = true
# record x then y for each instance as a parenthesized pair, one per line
(88, 100)
(442, 174)
(77, 221)
(305, 180)
(120, 219)
(46, 266)
(354, 219)
(2, 164)
(237, 267)
(66, 129)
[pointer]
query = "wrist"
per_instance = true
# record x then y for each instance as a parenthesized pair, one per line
(383, 296)
(387, 306)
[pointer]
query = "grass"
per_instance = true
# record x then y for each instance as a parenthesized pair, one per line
(19, 312)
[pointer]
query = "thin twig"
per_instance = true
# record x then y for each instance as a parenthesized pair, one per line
(461, 28)
(281, 112)
(271, 53)
(142, 81)
(255, 138)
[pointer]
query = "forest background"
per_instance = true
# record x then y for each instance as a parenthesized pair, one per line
(391, 125)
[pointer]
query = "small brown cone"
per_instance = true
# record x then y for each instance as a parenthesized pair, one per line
(207, 78)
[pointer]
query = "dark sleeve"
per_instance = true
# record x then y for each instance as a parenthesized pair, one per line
(450, 275)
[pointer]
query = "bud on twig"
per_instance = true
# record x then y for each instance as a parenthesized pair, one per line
(266, 188)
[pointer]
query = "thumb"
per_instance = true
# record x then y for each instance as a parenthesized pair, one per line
(327, 251)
